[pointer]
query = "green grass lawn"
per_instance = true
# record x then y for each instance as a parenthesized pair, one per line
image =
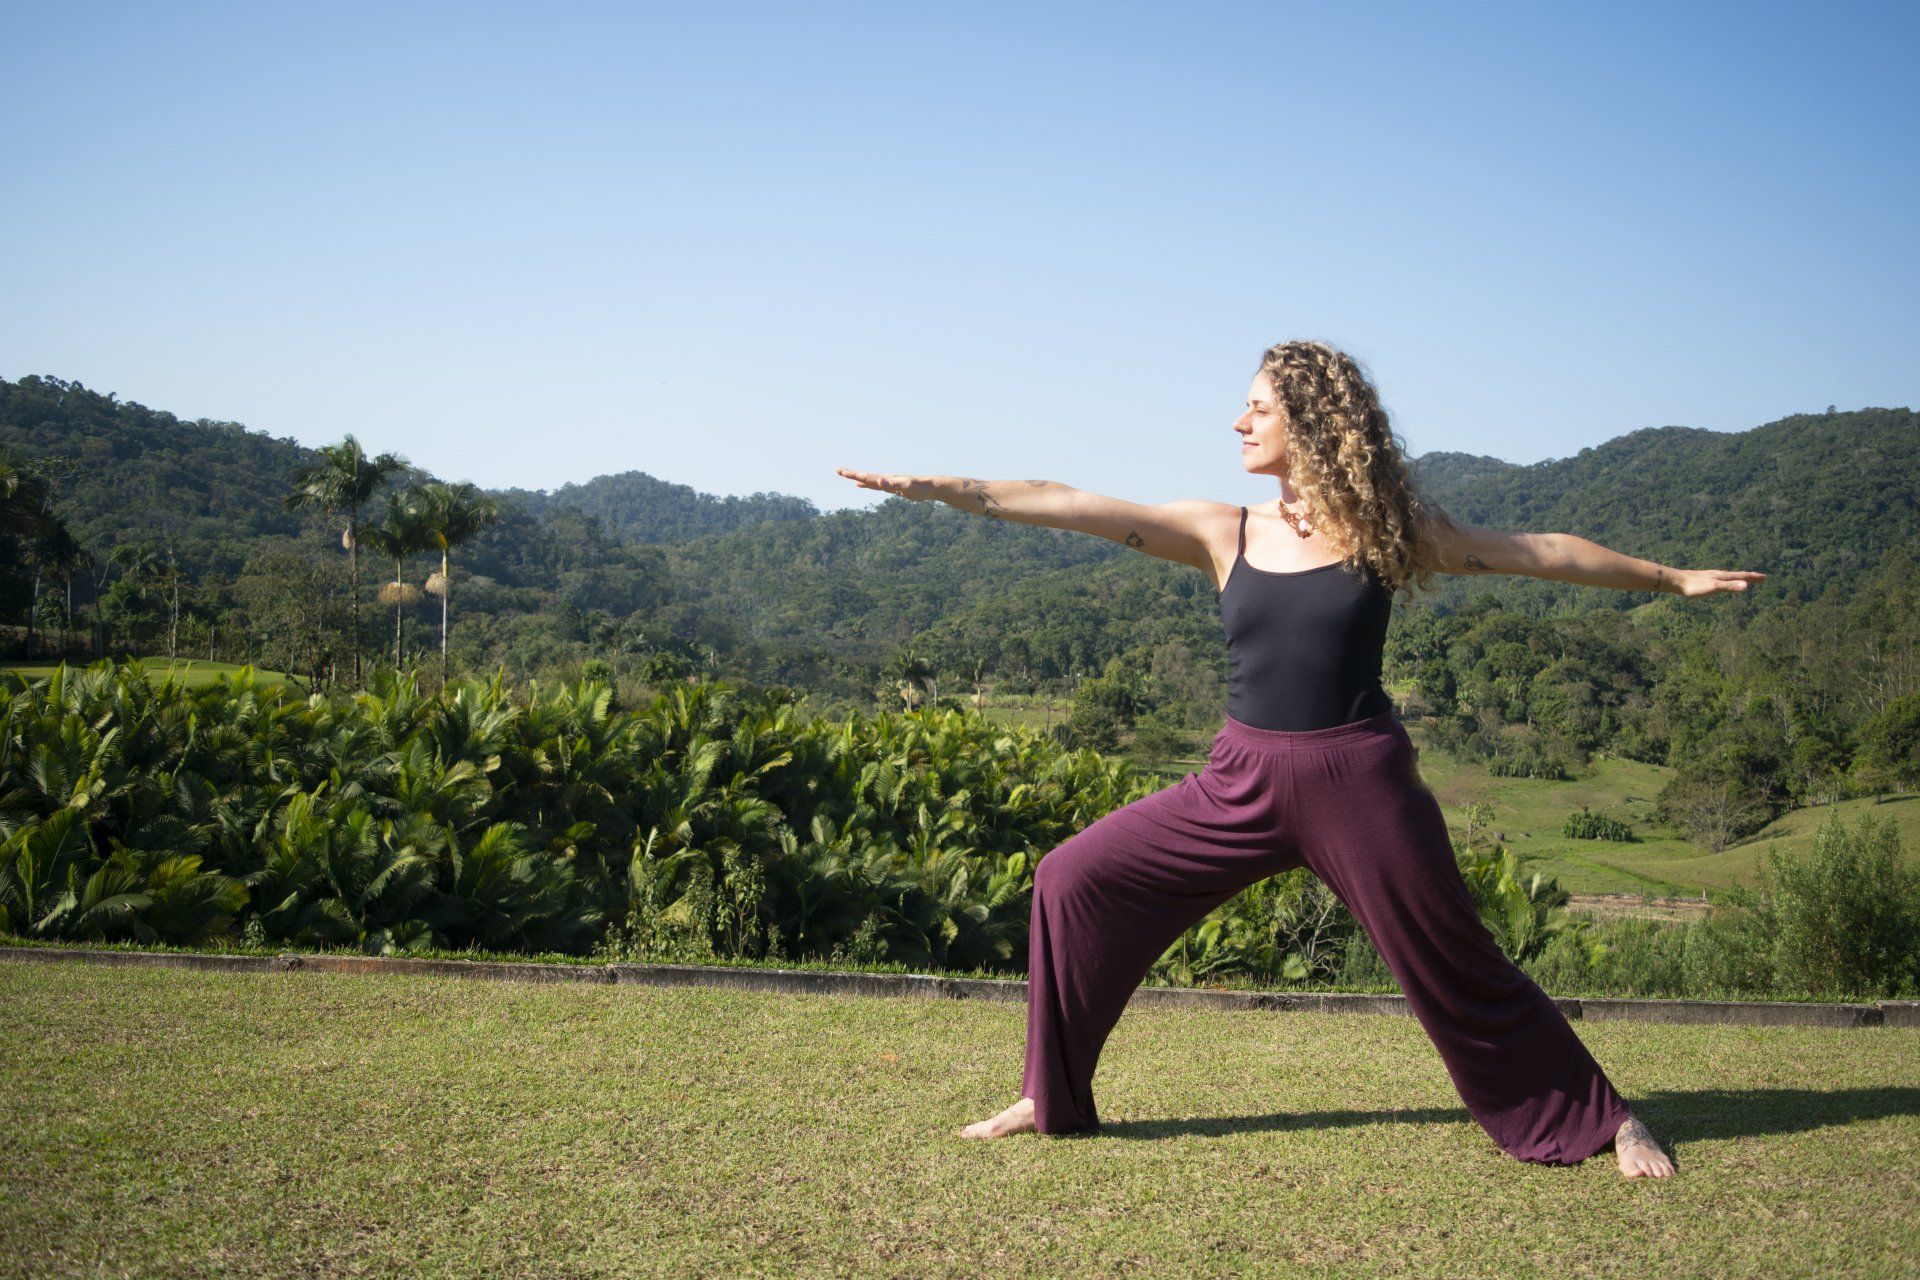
(162, 1122)
(192, 672)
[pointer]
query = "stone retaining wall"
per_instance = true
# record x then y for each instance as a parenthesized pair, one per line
(1890, 1013)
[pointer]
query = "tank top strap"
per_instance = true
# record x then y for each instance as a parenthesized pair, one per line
(1243, 533)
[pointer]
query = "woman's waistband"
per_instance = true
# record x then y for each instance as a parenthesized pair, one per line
(1383, 724)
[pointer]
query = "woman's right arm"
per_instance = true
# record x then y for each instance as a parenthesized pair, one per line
(1179, 531)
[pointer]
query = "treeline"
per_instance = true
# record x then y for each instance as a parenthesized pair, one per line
(713, 822)
(1797, 692)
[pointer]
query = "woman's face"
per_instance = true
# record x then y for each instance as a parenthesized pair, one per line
(1262, 430)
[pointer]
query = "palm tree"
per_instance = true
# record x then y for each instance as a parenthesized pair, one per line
(343, 478)
(399, 535)
(450, 514)
(25, 499)
(909, 674)
(141, 569)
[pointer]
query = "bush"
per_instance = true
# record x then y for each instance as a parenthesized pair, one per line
(1642, 958)
(1586, 825)
(1362, 969)
(1565, 966)
(1846, 916)
(1522, 914)
(1728, 953)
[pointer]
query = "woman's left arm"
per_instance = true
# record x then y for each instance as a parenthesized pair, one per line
(1575, 559)
(1566, 557)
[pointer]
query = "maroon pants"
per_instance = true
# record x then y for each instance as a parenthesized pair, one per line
(1347, 802)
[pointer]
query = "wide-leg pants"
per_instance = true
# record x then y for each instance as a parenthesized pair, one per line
(1348, 803)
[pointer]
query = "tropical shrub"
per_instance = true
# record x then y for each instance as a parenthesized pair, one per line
(1587, 825)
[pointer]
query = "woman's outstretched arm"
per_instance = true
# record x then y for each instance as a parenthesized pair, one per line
(1566, 557)
(1178, 531)
(1044, 502)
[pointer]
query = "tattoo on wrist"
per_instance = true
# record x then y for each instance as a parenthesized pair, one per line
(1475, 562)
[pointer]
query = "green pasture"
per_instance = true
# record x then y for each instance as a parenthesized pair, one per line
(166, 1122)
(192, 672)
(1529, 813)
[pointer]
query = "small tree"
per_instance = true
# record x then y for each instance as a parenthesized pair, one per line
(343, 478)
(399, 535)
(449, 515)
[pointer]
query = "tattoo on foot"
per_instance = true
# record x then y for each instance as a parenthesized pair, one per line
(1633, 1131)
(1135, 540)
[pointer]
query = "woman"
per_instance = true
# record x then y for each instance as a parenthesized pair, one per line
(1311, 768)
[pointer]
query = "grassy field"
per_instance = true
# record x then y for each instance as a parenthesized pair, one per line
(166, 1123)
(192, 672)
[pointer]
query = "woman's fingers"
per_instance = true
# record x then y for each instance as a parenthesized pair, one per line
(865, 479)
(906, 486)
(1706, 581)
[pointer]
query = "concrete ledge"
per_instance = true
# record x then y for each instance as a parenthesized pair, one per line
(1009, 990)
(165, 959)
(1764, 1013)
(1891, 1013)
(1900, 1013)
(496, 970)
(801, 981)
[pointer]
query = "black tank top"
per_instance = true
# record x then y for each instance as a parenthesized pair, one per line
(1303, 648)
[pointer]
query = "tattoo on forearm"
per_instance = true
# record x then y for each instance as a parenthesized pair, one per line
(1135, 540)
(1475, 562)
(1039, 484)
(989, 505)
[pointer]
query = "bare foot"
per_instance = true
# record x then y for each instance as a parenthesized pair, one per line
(1017, 1118)
(1640, 1156)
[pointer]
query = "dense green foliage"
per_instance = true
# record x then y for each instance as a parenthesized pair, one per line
(1587, 825)
(635, 507)
(709, 823)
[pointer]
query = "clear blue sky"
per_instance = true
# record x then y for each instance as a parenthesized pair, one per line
(737, 246)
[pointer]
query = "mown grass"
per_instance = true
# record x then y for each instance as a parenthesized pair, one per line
(194, 673)
(166, 1122)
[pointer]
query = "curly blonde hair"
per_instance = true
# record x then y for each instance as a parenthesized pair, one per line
(1344, 458)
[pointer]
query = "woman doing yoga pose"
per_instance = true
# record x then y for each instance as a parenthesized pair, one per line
(1311, 767)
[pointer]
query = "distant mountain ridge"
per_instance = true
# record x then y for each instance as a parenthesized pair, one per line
(633, 506)
(1809, 499)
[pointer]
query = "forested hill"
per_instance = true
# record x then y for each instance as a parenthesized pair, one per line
(133, 473)
(211, 488)
(635, 507)
(1814, 500)
(1811, 499)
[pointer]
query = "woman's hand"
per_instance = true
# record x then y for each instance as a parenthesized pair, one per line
(916, 488)
(1704, 582)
